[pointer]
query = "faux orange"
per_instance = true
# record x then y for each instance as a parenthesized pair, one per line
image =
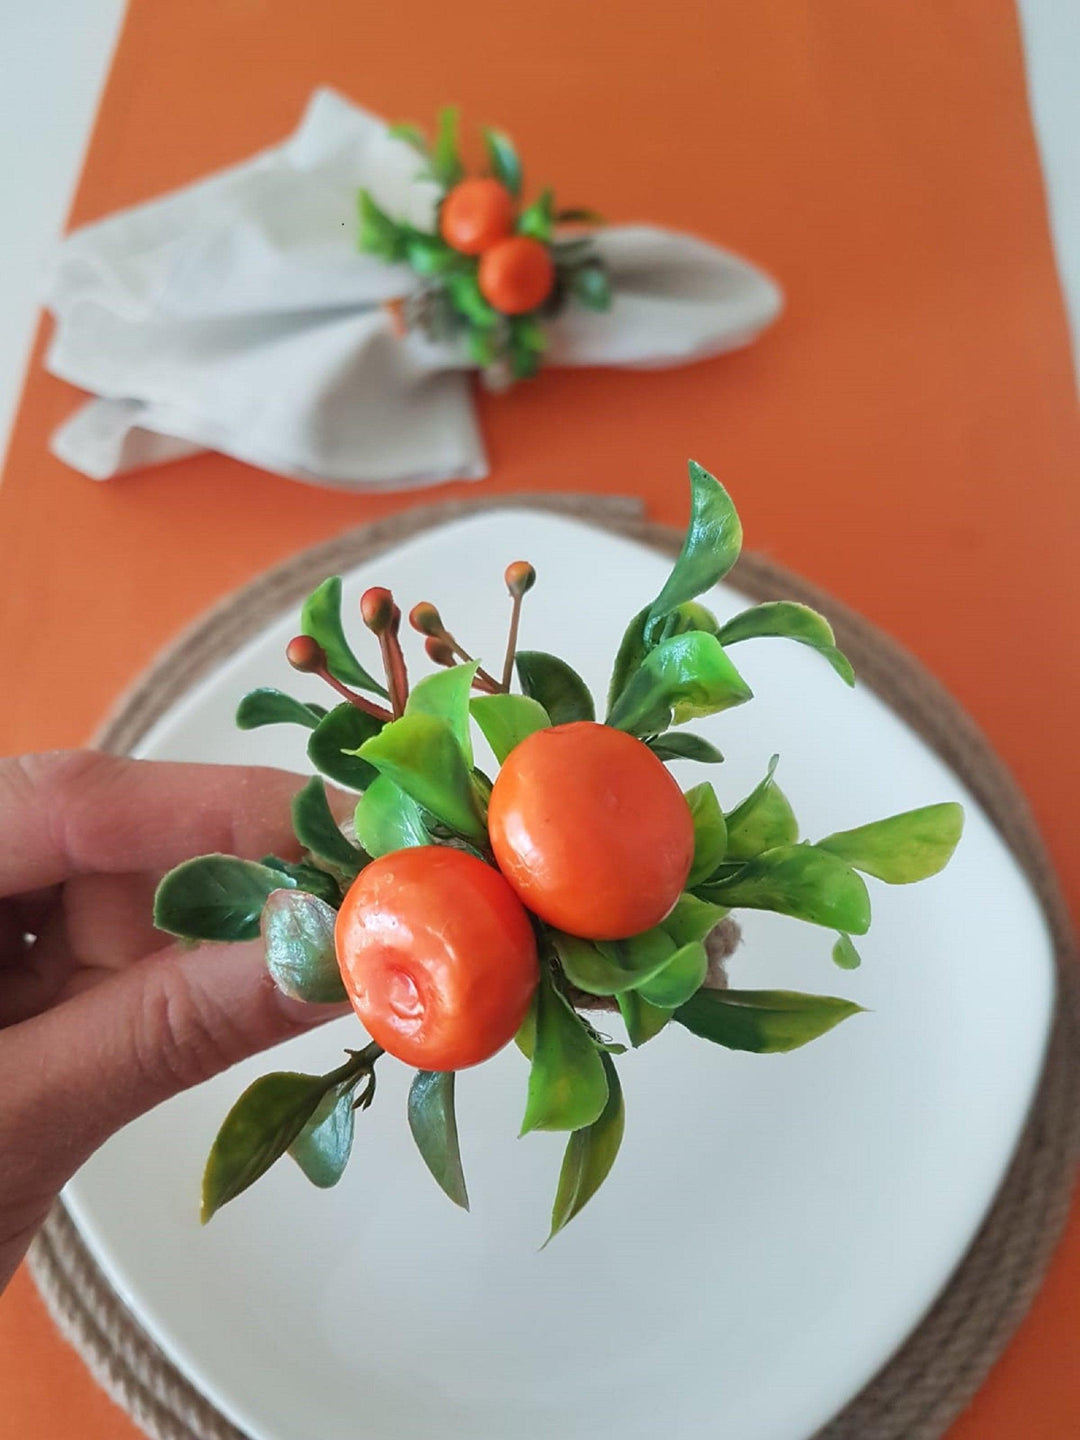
(475, 215)
(437, 955)
(590, 830)
(516, 275)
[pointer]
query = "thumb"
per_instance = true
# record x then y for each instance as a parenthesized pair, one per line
(77, 1073)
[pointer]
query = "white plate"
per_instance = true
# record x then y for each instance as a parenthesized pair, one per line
(775, 1225)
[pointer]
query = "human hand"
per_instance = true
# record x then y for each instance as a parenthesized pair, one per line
(102, 1016)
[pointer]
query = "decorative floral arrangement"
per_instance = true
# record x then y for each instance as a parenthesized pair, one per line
(459, 912)
(493, 269)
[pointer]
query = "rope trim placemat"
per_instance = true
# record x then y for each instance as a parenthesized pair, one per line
(937, 1370)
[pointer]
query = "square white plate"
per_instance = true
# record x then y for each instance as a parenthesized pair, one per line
(774, 1227)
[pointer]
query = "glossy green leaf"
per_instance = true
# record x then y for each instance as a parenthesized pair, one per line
(433, 1122)
(332, 746)
(797, 880)
(430, 255)
(466, 296)
(685, 676)
(764, 1021)
(711, 547)
(377, 233)
(412, 134)
(445, 695)
(538, 219)
(323, 1147)
(844, 953)
(307, 877)
(590, 286)
(215, 897)
(387, 819)
(258, 1130)
(710, 832)
(318, 831)
(607, 967)
(298, 937)
(567, 1083)
(555, 685)
(321, 619)
(762, 821)
(643, 1021)
(685, 747)
(682, 976)
(791, 621)
(421, 755)
(446, 163)
(590, 1154)
(904, 848)
(503, 159)
(681, 620)
(267, 706)
(692, 919)
(506, 720)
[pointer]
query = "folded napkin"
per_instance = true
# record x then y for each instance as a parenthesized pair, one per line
(238, 315)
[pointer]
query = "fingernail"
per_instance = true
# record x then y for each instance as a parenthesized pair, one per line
(303, 1012)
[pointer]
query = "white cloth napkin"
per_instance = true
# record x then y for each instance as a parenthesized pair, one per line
(237, 314)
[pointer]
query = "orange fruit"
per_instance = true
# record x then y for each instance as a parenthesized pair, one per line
(516, 275)
(475, 215)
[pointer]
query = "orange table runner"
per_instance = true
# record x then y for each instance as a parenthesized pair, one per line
(907, 436)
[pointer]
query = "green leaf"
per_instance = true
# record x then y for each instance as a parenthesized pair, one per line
(607, 967)
(792, 621)
(762, 821)
(387, 820)
(555, 685)
(567, 1083)
(378, 234)
(797, 880)
(503, 159)
(685, 676)
(421, 755)
(445, 695)
(506, 720)
(682, 620)
(844, 953)
(267, 706)
(332, 748)
(590, 1154)
(215, 897)
(433, 1123)
(643, 1021)
(682, 976)
(685, 747)
(464, 291)
(765, 1021)
(298, 935)
(411, 134)
(446, 163)
(904, 848)
(429, 255)
(323, 1147)
(258, 1130)
(318, 831)
(710, 832)
(692, 919)
(307, 877)
(711, 547)
(538, 219)
(590, 286)
(321, 619)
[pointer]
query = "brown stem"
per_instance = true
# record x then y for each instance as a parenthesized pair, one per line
(379, 712)
(481, 673)
(397, 677)
(511, 642)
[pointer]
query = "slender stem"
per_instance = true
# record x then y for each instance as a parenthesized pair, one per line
(511, 643)
(368, 706)
(462, 654)
(397, 677)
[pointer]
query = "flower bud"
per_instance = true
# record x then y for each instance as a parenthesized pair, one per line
(425, 618)
(305, 654)
(439, 650)
(377, 609)
(520, 577)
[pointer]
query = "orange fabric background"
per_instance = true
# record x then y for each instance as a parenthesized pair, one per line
(907, 435)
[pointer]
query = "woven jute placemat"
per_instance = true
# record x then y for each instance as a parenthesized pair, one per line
(935, 1373)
